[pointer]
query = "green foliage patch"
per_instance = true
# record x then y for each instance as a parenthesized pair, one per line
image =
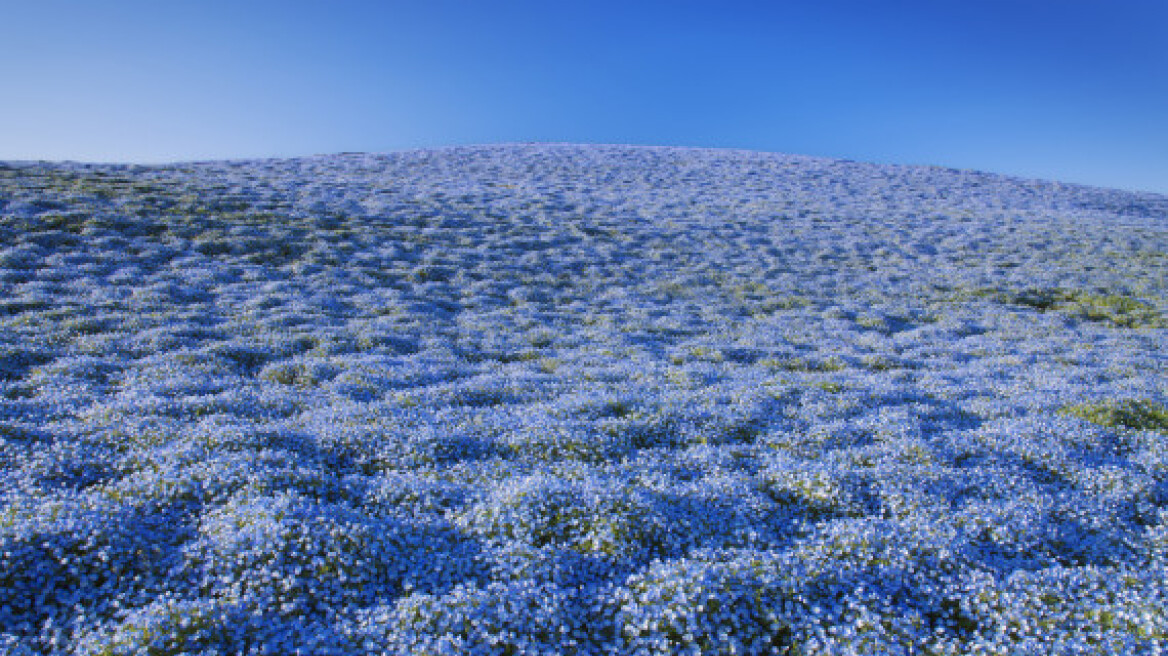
(1128, 413)
(1115, 309)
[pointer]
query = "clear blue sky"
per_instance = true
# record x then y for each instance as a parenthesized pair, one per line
(1062, 89)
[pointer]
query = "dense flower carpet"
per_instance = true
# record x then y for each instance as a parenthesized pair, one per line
(555, 399)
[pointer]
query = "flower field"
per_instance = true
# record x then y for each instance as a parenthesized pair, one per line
(555, 399)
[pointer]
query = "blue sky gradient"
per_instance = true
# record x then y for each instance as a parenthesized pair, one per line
(1069, 90)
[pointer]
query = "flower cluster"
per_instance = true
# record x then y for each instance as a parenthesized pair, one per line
(539, 399)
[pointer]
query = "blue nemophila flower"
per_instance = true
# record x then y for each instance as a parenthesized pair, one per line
(174, 625)
(591, 515)
(68, 557)
(295, 555)
(502, 618)
(557, 399)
